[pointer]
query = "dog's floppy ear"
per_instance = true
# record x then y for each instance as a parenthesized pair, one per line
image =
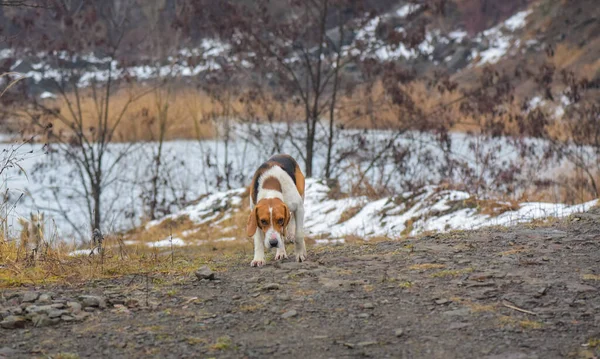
(252, 223)
(286, 218)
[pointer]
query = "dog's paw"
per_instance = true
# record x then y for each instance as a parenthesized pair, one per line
(301, 257)
(280, 255)
(258, 263)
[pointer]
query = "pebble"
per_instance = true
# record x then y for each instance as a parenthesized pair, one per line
(364, 315)
(91, 301)
(205, 273)
(442, 301)
(368, 306)
(66, 318)
(44, 299)
(12, 322)
(30, 296)
(398, 332)
(74, 307)
(289, 314)
(57, 313)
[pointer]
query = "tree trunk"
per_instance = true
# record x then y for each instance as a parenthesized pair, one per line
(310, 144)
(96, 192)
(332, 104)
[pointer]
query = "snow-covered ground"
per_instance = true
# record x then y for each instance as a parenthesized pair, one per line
(431, 209)
(51, 185)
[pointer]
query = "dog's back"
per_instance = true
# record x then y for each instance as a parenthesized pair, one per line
(288, 164)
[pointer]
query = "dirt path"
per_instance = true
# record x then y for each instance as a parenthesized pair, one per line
(524, 292)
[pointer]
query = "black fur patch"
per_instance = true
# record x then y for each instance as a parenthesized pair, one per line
(287, 163)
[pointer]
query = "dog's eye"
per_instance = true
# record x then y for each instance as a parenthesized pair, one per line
(280, 221)
(264, 222)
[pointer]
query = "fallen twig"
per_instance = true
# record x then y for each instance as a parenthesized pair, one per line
(507, 305)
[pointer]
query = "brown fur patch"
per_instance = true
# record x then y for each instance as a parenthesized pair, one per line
(272, 183)
(299, 181)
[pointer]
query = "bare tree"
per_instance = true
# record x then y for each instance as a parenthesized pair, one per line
(82, 130)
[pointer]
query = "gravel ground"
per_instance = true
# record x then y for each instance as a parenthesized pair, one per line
(522, 292)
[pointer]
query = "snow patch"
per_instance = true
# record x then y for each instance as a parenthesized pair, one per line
(167, 242)
(500, 38)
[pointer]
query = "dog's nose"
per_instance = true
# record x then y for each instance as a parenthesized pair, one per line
(273, 242)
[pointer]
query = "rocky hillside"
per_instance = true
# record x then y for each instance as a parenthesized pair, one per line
(472, 33)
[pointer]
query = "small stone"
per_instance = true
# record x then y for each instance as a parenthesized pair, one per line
(205, 273)
(58, 305)
(541, 292)
(41, 309)
(236, 297)
(89, 309)
(67, 318)
(74, 307)
(398, 332)
(57, 313)
(44, 299)
(93, 301)
(30, 296)
(254, 295)
(271, 286)
(368, 306)
(289, 314)
(545, 259)
(364, 315)
(13, 322)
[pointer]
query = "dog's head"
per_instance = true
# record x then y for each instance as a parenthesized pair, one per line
(271, 216)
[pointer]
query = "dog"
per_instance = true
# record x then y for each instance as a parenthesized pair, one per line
(32, 235)
(277, 209)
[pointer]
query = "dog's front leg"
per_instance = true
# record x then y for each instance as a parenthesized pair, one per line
(259, 249)
(300, 246)
(281, 254)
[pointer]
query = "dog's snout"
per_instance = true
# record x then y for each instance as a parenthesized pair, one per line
(273, 242)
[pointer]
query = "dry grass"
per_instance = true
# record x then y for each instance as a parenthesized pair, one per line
(426, 266)
(188, 115)
(349, 213)
(451, 273)
(56, 266)
(591, 277)
(508, 321)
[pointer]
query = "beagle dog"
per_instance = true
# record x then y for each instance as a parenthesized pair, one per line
(277, 209)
